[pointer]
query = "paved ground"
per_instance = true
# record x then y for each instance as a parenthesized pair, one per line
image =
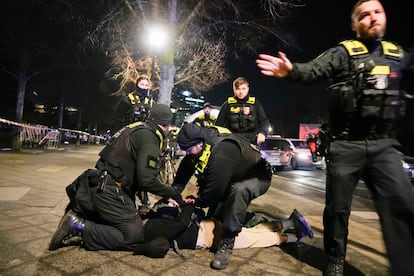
(32, 200)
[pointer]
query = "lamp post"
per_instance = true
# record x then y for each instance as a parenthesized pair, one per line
(157, 38)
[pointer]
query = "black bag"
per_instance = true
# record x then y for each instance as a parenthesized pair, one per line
(156, 248)
(80, 195)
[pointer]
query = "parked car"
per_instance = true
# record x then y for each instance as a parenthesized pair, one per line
(281, 152)
(301, 154)
(408, 165)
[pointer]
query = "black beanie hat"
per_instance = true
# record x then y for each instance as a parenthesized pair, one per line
(190, 135)
(161, 115)
(206, 104)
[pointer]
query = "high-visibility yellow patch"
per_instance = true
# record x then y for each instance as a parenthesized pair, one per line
(381, 70)
(235, 109)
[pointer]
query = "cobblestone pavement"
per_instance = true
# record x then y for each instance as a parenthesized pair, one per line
(33, 198)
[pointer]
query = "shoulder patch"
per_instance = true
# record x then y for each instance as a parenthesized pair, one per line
(391, 49)
(131, 98)
(152, 162)
(221, 130)
(354, 47)
(251, 100)
(231, 100)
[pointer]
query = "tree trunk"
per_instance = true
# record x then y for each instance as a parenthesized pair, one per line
(79, 126)
(21, 91)
(167, 67)
(61, 107)
(167, 83)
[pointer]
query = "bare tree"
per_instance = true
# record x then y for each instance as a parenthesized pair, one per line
(39, 37)
(205, 35)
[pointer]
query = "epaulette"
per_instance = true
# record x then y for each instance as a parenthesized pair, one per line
(357, 48)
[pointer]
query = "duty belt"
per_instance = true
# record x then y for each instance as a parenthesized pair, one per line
(117, 183)
(106, 178)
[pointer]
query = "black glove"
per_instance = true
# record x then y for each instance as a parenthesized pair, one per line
(178, 198)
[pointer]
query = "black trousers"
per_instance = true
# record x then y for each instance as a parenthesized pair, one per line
(232, 210)
(117, 225)
(378, 163)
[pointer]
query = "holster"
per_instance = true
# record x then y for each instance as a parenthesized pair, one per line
(265, 169)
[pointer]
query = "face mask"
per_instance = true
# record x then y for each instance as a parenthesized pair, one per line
(142, 91)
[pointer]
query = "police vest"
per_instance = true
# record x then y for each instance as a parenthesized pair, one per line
(202, 121)
(118, 156)
(376, 90)
(217, 134)
(140, 106)
(242, 116)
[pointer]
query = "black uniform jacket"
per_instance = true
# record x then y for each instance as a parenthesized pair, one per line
(262, 122)
(227, 163)
(134, 160)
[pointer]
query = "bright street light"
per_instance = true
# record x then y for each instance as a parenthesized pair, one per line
(157, 37)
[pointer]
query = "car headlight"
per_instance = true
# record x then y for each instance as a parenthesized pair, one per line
(405, 165)
(302, 156)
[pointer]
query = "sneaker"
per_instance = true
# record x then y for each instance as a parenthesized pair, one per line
(223, 254)
(302, 228)
(335, 268)
(69, 231)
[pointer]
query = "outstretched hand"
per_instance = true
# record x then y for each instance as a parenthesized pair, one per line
(279, 66)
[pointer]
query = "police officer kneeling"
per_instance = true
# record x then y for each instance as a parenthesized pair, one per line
(230, 174)
(102, 213)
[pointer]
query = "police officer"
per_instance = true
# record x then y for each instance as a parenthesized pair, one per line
(136, 106)
(243, 114)
(311, 141)
(102, 213)
(230, 174)
(366, 104)
(206, 118)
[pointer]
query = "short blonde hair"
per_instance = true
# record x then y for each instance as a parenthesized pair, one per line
(239, 81)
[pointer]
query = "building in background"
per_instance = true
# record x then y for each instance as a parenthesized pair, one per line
(185, 103)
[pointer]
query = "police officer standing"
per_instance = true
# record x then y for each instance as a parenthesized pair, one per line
(205, 119)
(243, 114)
(102, 213)
(311, 141)
(366, 103)
(136, 106)
(230, 174)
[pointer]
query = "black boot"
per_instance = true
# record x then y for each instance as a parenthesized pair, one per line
(335, 267)
(222, 256)
(69, 231)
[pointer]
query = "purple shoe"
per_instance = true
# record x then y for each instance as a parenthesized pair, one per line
(302, 227)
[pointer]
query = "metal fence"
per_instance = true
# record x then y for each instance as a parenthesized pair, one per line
(42, 136)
